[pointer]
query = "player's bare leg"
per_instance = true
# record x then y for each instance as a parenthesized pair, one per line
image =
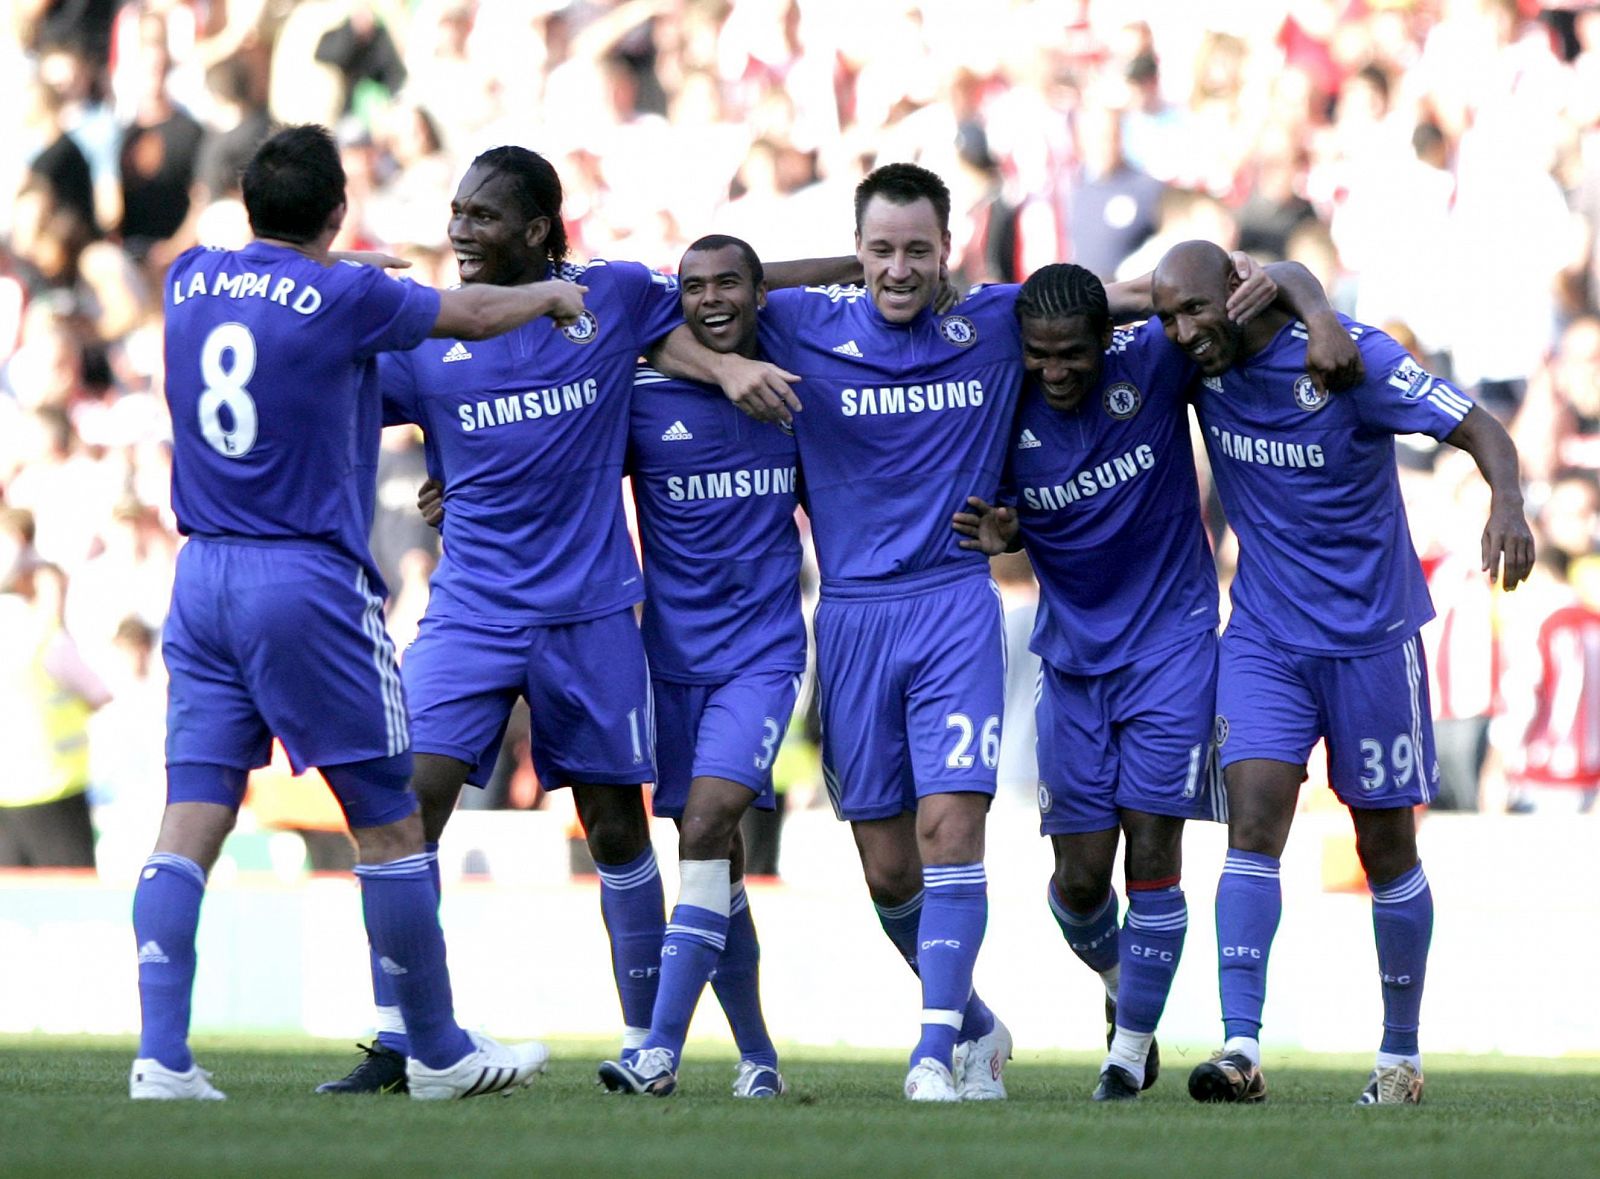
(1261, 801)
(1402, 923)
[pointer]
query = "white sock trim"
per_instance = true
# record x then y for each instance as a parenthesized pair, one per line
(1111, 979)
(950, 1019)
(704, 884)
(388, 1019)
(1248, 1045)
(634, 1038)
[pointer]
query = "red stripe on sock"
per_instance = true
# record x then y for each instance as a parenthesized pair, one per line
(1153, 885)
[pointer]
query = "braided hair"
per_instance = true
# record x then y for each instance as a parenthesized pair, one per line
(538, 191)
(1063, 289)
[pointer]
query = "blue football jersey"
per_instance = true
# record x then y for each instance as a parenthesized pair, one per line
(901, 423)
(716, 500)
(1110, 511)
(528, 431)
(1309, 483)
(272, 387)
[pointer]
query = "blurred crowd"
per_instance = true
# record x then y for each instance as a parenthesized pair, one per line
(1436, 163)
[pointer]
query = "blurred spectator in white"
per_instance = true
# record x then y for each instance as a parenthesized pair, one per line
(1018, 773)
(127, 752)
(129, 577)
(406, 207)
(69, 494)
(445, 78)
(47, 693)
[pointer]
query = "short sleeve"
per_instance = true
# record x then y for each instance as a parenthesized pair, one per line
(652, 301)
(389, 314)
(397, 381)
(1399, 396)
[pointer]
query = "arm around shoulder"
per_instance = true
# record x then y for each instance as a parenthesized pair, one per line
(479, 311)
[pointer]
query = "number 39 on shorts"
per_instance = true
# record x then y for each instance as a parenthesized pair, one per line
(1401, 765)
(227, 411)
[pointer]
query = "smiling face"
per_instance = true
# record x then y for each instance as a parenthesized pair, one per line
(1190, 297)
(901, 249)
(720, 299)
(494, 240)
(1065, 354)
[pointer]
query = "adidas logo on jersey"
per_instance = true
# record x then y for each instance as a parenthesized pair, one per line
(848, 348)
(1028, 441)
(152, 952)
(391, 967)
(677, 432)
(458, 351)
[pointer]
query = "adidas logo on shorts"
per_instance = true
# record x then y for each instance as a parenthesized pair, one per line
(152, 952)
(848, 348)
(677, 432)
(1028, 441)
(458, 351)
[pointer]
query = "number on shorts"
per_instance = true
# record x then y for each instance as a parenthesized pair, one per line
(988, 742)
(1402, 762)
(769, 743)
(227, 389)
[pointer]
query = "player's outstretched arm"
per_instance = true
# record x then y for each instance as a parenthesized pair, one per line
(1332, 359)
(762, 390)
(481, 310)
(988, 528)
(844, 270)
(1507, 540)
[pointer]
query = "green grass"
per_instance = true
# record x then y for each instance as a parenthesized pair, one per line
(63, 1111)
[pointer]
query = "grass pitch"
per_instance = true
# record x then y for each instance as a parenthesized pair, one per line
(64, 1111)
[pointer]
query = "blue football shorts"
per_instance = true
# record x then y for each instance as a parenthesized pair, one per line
(586, 683)
(1137, 738)
(278, 639)
(1275, 702)
(912, 681)
(730, 730)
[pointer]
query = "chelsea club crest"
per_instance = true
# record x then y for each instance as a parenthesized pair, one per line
(958, 330)
(1122, 400)
(1307, 396)
(585, 330)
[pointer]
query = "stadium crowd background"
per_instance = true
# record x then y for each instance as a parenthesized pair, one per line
(1435, 162)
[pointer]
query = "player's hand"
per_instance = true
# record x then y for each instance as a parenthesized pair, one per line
(1332, 359)
(371, 258)
(430, 502)
(948, 297)
(989, 529)
(760, 389)
(566, 300)
(1255, 292)
(1507, 545)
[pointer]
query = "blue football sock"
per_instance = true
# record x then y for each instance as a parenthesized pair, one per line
(1093, 937)
(695, 939)
(635, 915)
(391, 1027)
(401, 907)
(166, 913)
(1402, 924)
(902, 922)
(1152, 943)
(955, 910)
(1249, 904)
(737, 983)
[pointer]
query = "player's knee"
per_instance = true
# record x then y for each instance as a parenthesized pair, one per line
(390, 841)
(706, 835)
(614, 822)
(1081, 890)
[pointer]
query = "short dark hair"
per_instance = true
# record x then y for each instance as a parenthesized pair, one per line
(904, 184)
(1062, 289)
(723, 241)
(538, 190)
(293, 184)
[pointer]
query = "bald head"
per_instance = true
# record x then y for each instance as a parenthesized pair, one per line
(1189, 292)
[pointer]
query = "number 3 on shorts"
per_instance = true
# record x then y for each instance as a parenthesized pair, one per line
(231, 433)
(988, 741)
